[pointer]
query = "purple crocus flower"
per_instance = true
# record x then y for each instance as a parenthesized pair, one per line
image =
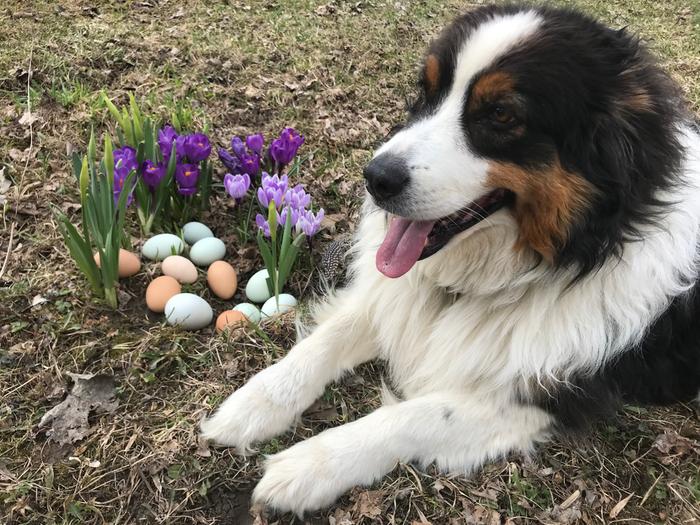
(153, 173)
(124, 163)
(297, 198)
(283, 149)
(255, 143)
(238, 147)
(180, 147)
(118, 187)
(250, 163)
(166, 136)
(237, 185)
(272, 189)
(125, 160)
(232, 163)
(262, 225)
(196, 147)
(310, 223)
(293, 213)
(186, 176)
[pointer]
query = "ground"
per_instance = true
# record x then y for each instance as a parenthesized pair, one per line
(340, 72)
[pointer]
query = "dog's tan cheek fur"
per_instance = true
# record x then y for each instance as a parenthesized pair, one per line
(547, 203)
(432, 74)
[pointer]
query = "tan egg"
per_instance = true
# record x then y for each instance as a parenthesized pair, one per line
(230, 319)
(180, 268)
(160, 291)
(222, 279)
(129, 263)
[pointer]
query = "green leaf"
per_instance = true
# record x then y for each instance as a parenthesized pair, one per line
(84, 181)
(269, 260)
(109, 158)
(287, 262)
(81, 253)
(113, 110)
(136, 119)
(92, 147)
(149, 140)
(176, 122)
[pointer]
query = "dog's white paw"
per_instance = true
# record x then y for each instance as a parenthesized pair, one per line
(248, 415)
(299, 479)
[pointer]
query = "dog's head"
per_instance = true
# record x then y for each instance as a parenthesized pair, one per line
(541, 113)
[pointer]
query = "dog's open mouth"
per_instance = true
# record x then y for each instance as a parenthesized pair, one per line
(408, 241)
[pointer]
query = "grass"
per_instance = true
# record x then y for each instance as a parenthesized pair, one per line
(340, 72)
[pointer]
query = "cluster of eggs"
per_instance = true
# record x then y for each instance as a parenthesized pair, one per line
(189, 311)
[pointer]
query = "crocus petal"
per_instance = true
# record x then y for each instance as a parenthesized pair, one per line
(255, 143)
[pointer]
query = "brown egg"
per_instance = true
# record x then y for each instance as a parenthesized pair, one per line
(160, 291)
(222, 279)
(230, 319)
(129, 263)
(180, 268)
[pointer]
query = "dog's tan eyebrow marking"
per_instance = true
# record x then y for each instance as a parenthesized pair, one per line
(431, 74)
(489, 87)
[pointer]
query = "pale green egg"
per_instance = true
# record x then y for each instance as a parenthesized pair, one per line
(250, 311)
(195, 231)
(275, 306)
(188, 311)
(206, 251)
(161, 246)
(256, 290)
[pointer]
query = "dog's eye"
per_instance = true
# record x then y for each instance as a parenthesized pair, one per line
(502, 115)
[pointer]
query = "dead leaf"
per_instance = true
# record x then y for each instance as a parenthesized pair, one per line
(67, 422)
(4, 186)
(674, 446)
(38, 299)
(5, 474)
(368, 504)
(252, 92)
(571, 500)
(620, 505)
(325, 10)
(202, 448)
(28, 118)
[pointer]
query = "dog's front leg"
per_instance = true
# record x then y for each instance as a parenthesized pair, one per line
(456, 432)
(269, 403)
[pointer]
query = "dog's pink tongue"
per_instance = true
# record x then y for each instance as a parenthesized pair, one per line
(402, 246)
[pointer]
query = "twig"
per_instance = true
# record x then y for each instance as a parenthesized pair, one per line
(9, 250)
(26, 163)
(31, 131)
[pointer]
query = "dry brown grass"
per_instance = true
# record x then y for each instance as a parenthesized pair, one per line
(340, 73)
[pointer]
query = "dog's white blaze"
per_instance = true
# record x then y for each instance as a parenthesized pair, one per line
(445, 174)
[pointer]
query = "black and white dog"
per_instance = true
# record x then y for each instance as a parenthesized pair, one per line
(527, 258)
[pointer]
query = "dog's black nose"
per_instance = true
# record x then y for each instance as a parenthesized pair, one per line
(386, 176)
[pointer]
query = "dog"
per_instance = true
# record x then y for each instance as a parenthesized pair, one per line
(526, 261)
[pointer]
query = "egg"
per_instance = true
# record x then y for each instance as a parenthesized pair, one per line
(161, 246)
(206, 251)
(250, 311)
(222, 279)
(180, 268)
(129, 263)
(271, 308)
(256, 290)
(160, 291)
(195, 231)
(230, 319)
(188, 311)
